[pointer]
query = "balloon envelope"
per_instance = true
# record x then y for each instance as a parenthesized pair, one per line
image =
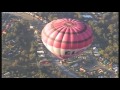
(66, 37)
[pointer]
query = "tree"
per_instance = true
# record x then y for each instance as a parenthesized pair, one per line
(98, 31)
(15, 63)
(78, 15)
(91, 23)
(31, 56)
(106, 55)
(23, 52)
(110, 41)
(110, 27)
(101, 52)
(32, 49)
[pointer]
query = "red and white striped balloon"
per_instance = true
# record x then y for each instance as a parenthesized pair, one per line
(66, 37)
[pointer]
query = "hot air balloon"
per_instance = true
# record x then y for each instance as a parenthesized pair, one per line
(66, 37)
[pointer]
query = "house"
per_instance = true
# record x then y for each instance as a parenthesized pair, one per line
(97, 54)
(4, 32)
(40, 52)
(40, 43)
(82, 70)
(31, 27)
(45, 63)
(35, 32)
(87, 16)
(95, 51)
(41, 55)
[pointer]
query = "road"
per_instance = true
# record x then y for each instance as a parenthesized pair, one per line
(23, 15)
(62, 68)
(65, 70)
(99, 65)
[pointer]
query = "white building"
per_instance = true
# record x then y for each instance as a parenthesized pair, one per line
(87, 16)
(31, 27)
(40, 52)
(96, 54)
(41, 55)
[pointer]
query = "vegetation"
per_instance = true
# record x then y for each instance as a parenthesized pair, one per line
(106, 34)
(19, 45)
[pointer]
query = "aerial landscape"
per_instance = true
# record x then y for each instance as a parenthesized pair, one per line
(60, 45)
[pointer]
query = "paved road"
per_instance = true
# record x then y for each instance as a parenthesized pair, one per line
(100, 65)
(23, 15)
(65, 70)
